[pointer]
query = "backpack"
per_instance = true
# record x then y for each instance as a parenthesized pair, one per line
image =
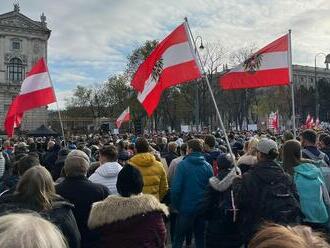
(278, 204)
(227, 208)
(215, 167)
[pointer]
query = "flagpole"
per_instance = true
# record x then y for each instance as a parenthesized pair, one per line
(292, 89)
(199, 62)
(58, 109)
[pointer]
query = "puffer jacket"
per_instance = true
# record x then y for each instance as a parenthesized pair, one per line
(154, 175)
(313, 193)
(135, 221)
(107, 175)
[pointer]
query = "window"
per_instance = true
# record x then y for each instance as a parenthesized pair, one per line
(15, 70)
(16, 45)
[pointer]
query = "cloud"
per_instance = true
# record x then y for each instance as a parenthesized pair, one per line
(61, 96)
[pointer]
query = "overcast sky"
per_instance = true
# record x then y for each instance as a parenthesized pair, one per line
(91, 39)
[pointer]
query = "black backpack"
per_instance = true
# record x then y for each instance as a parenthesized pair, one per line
(278, 203)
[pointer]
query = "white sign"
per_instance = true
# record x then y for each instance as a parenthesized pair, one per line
(185, 128)
(252, 127)
(116, 131)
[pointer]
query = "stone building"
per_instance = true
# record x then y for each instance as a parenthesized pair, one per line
(305, 75)
(22, 42)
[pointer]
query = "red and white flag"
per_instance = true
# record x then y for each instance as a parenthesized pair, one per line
(172, 62)
(317, 122)
(36, 91)
(273, 121)
(308, 121)
(311, 123)
(124, 117)
(267, 67)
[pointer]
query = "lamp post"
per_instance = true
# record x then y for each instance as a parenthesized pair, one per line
(197, 94)
(317, 94)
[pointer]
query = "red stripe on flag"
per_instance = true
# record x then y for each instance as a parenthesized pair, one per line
(279, 45)
(179, 35)
(39, 67)
(170, 76)
(242, 80)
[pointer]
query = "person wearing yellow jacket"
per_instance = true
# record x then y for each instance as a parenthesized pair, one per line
(153, 172)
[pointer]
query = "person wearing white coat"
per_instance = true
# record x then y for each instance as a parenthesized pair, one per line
(109, 169)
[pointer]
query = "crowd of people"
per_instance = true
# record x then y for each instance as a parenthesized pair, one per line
(166, 190)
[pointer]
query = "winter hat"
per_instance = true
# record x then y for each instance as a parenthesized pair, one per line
(129, 181)
(225, 161)
(266, 145)
(79, 154)
(72, 147)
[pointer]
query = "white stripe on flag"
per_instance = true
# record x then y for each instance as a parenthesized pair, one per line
(35, 82)
(274, 60)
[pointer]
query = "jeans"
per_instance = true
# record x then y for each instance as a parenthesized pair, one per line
(186, 223)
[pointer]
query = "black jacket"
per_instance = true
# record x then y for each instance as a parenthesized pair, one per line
(248, 192)
(82, 193)
(60, 214)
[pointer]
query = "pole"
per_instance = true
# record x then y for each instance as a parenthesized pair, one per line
(316, 90)
(292, 89)
(199, 62)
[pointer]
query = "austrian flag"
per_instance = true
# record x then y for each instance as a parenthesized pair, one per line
(172, 62)
(124, 117)
(267, 67)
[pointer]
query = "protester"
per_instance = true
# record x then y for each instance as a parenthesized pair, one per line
(153, 173)
(131, 219)
(29, 231)
(325, 145)
(221, 230)
(107, 173)
(187, 191)
(310, 151)
(172, 152)
(313, 194)
(175, 162)
(249, 159)
(81, 192)
(277, 236)
(266, 193)
(51, 155)
(35, 191)
(123, 153)
(211, 152)
(59, 164)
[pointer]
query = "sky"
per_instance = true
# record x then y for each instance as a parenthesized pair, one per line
(91, 39)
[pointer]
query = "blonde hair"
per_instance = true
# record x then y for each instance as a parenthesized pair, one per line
(277, 236)
(36, 188)
(29, 231)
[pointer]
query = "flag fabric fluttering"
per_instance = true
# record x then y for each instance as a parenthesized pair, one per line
(36, 91)
(309, 121)
(267, 67)
(124, 117)
(317, 122)
(172, 62)
(273, 121)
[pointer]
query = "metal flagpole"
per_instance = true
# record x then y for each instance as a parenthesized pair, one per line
(58, 109)
(199, 62)
(292, 89)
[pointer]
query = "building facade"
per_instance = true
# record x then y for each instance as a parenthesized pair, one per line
(22, 42)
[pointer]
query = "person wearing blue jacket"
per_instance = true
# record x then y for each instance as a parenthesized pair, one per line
(312, 191)
(187, 192)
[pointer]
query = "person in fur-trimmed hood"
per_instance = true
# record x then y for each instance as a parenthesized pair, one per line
(131, 219)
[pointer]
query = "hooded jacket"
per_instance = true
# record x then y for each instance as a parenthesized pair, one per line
(189, 183)
(312, 193)
(107, 175)
(135, 221)
(154, 175)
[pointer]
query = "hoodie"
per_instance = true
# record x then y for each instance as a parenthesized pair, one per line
(312, 193)
(189, 183)
(107, 175)
(153, 173)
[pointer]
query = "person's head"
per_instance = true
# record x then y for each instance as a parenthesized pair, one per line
(225, 161)
(291, 155)
(195, 145)
(267, 150)
(36, 188)
(26, 163)
(308, 138)
(277, 236)
(209, 142)
(108, 153)
(129, 181)
(325, 142)
(183, 149)
(29, 231)
(172, 146)
(141, 145)
(252, 146)
(76, 164)
(288, 135)
(50, 145)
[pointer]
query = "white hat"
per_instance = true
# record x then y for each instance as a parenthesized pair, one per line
(266, 145)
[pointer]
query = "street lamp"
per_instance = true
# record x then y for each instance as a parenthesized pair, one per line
(197, 94)
(317, 94)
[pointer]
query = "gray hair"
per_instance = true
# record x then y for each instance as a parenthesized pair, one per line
(76, 164)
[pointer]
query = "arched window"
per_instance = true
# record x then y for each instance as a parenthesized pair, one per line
(15, 70)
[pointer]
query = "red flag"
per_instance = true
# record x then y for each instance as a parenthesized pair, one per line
(267, 67)
(124, 117)
(172, 62)
(311, 123)
(36, 91)
(317, 122)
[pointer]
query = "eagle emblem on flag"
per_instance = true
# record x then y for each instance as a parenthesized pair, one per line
(157, 70)
(253, 63)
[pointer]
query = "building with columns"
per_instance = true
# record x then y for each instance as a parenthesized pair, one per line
(22, 42)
